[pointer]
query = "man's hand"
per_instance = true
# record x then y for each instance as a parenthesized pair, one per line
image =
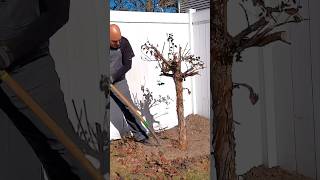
(5, 58)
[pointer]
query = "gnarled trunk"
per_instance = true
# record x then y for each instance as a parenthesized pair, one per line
(180, 113)
(224, 142)
(221, 91)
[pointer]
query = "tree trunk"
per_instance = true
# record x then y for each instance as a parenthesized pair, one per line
(224, 142)
(221, 90)
(180, 113)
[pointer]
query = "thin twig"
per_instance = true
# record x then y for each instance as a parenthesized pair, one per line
(245, 12)
(184, 49)
(79, 120)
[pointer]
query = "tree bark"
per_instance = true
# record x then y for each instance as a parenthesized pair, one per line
(178, 81)
(224, 142)
(221, 90)
(180, 113)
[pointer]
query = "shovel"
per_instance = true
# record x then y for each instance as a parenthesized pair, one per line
(131, 107)
(51, 125)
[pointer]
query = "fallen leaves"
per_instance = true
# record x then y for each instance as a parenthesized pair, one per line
(138, 161)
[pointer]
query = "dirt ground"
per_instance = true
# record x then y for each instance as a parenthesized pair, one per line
(131, 160)
(275, 173)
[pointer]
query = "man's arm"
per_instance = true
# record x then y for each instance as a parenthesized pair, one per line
(54, 14)
(127, 55)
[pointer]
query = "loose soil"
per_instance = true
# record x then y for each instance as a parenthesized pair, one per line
(132, 160)
(274, 173)
(135, 161)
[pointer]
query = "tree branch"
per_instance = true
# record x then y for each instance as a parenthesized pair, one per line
(157, 54)
(166, 74)
(262, 22)
(252, 96)
(297, 19)
(191, 74)
(277, 36)
(188, 70)
(267, 39)
(245, 12)
(154, 103)
(261, 39)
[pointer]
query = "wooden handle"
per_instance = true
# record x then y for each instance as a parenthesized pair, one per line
(51, 125)
(131, 107)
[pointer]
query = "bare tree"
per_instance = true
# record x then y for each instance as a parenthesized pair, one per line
(171, 66)
(227, 48)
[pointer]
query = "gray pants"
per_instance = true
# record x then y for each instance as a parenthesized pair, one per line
(119, 113)
(40, 80)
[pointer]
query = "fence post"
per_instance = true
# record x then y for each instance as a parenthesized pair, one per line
(191, 42)
(268, 116)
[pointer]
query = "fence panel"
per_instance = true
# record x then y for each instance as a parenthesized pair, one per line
(201, 47)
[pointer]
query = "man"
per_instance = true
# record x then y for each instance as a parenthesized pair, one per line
(25, 29)
(121, 55)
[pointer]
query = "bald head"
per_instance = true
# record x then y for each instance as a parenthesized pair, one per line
(115, 36)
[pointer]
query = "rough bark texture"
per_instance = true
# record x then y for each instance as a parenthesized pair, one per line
(180, 109)
(224, 151)
(221, 90)
(180, 113)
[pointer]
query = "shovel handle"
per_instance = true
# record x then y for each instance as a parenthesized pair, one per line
(132, 108)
